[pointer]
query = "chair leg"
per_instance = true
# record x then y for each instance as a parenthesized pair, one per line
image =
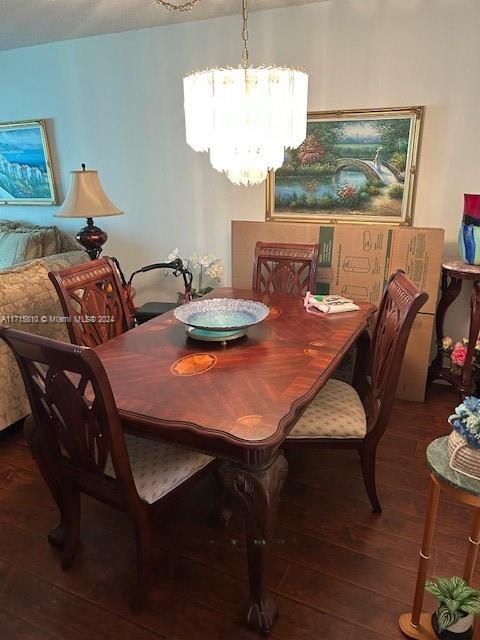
(144, 541)
(42, 456)
(368, 454)
(71, 521)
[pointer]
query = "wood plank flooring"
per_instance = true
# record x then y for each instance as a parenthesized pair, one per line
(338, 571)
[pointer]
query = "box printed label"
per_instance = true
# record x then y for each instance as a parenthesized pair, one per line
(356, 265)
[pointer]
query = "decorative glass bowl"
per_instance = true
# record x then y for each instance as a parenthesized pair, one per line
(221, 314)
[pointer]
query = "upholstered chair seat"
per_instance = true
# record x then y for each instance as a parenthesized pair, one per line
(336, 412)
(158, 467)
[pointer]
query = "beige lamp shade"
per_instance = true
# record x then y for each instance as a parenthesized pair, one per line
(86, 198)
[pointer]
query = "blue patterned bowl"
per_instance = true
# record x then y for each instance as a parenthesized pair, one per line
(221, 314)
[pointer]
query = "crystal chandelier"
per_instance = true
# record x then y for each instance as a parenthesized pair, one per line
(247, 116)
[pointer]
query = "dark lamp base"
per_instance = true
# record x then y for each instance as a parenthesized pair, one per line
(92, 239)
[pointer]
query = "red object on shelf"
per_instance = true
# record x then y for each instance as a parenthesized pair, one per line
(471, 205)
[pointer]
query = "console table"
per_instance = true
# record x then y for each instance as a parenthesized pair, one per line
(453, 275)
(457, 487)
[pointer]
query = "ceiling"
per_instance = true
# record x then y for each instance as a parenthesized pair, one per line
(29, 22)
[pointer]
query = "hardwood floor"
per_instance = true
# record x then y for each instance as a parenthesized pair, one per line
(338, 571)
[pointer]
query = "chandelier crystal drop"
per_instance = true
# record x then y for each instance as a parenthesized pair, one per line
(245, 117)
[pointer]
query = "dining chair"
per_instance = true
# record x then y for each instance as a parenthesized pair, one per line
(92, 299)
(86, 451)
(355, 417)
(290, 269)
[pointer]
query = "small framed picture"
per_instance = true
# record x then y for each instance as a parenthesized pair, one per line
(353, 166)
(26, 174)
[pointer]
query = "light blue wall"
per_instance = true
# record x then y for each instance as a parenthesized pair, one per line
(115, 102)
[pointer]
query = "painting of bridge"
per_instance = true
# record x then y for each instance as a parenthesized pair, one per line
(352, 166)
(25, 170)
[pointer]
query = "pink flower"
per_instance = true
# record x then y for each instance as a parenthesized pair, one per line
(459, 354)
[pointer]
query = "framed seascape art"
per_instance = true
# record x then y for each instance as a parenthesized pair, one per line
(26, 175)
(353, 166)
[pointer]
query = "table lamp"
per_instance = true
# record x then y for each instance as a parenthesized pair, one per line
(87, 199)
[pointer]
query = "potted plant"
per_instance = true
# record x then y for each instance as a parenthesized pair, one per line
(458, 603)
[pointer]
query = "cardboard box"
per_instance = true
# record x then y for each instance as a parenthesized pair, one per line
(413, 377)
(356, 261)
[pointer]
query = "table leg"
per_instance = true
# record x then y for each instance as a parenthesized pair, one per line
(466, 386)
(450, 292)
(425, 553)
(410, 625)
(259, 489)
(473, 542)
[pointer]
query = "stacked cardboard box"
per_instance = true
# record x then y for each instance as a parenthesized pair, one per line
(356, 261)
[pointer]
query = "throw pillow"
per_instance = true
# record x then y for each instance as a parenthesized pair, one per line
(20, 245)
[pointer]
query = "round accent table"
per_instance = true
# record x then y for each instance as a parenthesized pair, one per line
(453, 275)
(458, 487)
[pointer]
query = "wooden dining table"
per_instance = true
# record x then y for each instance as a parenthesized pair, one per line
(236, 402)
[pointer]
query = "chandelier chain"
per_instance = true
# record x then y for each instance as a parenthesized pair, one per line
(186, 6)
(245, 33)
(178, 7)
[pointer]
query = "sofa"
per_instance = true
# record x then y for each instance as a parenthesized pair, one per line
(28, 300)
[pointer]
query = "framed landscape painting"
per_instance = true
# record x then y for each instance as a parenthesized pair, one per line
(26, 175)
(353, 166)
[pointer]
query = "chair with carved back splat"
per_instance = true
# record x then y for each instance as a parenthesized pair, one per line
(290, 269)
(86, 450)
(92, 298)
(344, 416)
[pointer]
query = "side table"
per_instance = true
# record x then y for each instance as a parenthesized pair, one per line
(458, 487)
(453, 275)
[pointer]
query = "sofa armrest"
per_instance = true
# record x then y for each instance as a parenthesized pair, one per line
(29, 302)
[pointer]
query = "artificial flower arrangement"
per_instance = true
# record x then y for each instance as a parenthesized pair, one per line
(464, 441)
(466, 420)
(457, 352)
(206, 266)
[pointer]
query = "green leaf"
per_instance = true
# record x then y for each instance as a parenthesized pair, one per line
(444, 586)
(431, 587)
(460, 590)
(456, 581)
(445, 618)
(468, 592)
(452, 605)
(472, 606)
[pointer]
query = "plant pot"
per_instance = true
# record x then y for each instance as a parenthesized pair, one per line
(463, 457)
(469, 234)
(461, 630)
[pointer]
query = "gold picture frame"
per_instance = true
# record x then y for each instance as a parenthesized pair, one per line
(353, 166)
(26, 172)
